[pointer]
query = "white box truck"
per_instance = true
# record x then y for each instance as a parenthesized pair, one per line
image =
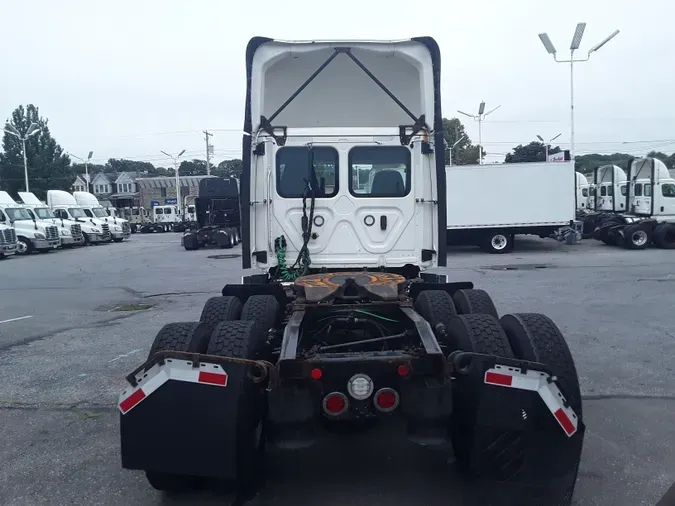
(488, 205)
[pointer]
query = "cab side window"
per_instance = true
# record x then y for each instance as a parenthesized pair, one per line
(668, 190)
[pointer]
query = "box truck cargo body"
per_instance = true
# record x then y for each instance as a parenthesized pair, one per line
(489, 204)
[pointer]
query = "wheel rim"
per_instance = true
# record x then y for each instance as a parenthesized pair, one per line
(499, 242)
(639, 238)
(21, 247)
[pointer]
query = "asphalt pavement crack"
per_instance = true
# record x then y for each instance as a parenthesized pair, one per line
(52, 333)
(79, 407)
(174, 293)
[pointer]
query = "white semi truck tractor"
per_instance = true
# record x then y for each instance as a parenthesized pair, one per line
(119, 227)
(65, 206)
(70, 231)
(32, 235)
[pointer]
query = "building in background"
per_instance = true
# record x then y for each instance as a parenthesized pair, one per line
(160, 191)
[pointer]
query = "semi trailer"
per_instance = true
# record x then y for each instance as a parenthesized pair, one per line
(343, 320)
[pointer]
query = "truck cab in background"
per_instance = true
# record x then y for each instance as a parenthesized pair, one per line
(69, 231)
(119, 228)
(32, 235)
(65, 206)
(582, 189)
(8, 240)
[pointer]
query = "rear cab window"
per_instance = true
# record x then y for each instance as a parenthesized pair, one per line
(299, 166)
(379, 171)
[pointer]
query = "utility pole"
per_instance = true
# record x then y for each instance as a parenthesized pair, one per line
(34, 129)
(209, 152)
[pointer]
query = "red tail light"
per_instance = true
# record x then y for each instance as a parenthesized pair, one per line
(386, 400)
(335, 404)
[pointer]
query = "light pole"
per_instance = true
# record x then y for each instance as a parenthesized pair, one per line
(576, 41)
(452, 148)
(547, 144)
(480, 117)
(175, 168)
(33, 129)
(86, 167)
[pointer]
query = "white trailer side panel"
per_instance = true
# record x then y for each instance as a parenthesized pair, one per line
(510, 195)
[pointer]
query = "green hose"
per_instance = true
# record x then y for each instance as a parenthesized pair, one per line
(286, 273)
(375, 315)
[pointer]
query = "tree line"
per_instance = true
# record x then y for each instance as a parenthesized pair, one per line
(50, 167)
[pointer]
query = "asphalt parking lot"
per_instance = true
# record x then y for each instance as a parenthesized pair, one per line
(71, 328)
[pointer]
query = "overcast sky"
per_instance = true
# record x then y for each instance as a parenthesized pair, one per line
(130, 78)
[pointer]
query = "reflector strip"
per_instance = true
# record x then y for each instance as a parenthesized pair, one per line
(536, 381)
(132, 400)
(212, 378)
(492, 378)
(565, 422)
(172, 369)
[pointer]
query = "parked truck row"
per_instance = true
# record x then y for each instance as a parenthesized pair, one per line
(635, 209)
(66, 220)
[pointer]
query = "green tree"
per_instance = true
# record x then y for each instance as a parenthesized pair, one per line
(228, 168)
(48, 166)
(464, 153)
(132, 166)
(192, 168)
(532, 152)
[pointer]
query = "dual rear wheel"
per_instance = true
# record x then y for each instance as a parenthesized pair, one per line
(227, 328)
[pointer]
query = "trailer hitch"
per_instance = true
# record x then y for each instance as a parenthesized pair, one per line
(261, 369)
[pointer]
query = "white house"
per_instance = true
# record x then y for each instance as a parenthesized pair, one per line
(80, 184)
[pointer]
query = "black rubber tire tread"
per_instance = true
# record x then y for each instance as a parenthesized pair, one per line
(661, 232)
(221, 309)
(263, 309)
(474, 301)
(171, 483)
(437, 307)
(537, 338)
(480, 333)
(480, 449)
(173, 337)
(244, 339)
(629, 231)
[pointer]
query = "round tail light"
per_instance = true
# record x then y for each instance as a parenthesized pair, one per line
(386, 400)
(335, 404)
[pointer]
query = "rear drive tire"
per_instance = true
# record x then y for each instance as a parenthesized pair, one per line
(437, 308)
(535, 337)
(484, 451)
(245, 339)
(664, 236)
(263, 309)
(221, 309)
(474, 301)
(190, 337)
(636, 236)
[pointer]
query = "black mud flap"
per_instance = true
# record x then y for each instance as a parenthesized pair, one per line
(182, 419)
(526, 450)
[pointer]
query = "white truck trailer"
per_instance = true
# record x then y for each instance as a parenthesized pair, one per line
(488, 205)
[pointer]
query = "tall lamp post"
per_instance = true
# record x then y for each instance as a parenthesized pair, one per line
(33, 129)
(86, 167)
(480, 117)
(175, 168)
(576, 41)
(547, 145)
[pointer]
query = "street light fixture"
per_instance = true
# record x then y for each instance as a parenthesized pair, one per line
(576, 42)
(175, 168)
(547, 145)
(452, 148)
(480, 117)
(33, 129)
(86, 167)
